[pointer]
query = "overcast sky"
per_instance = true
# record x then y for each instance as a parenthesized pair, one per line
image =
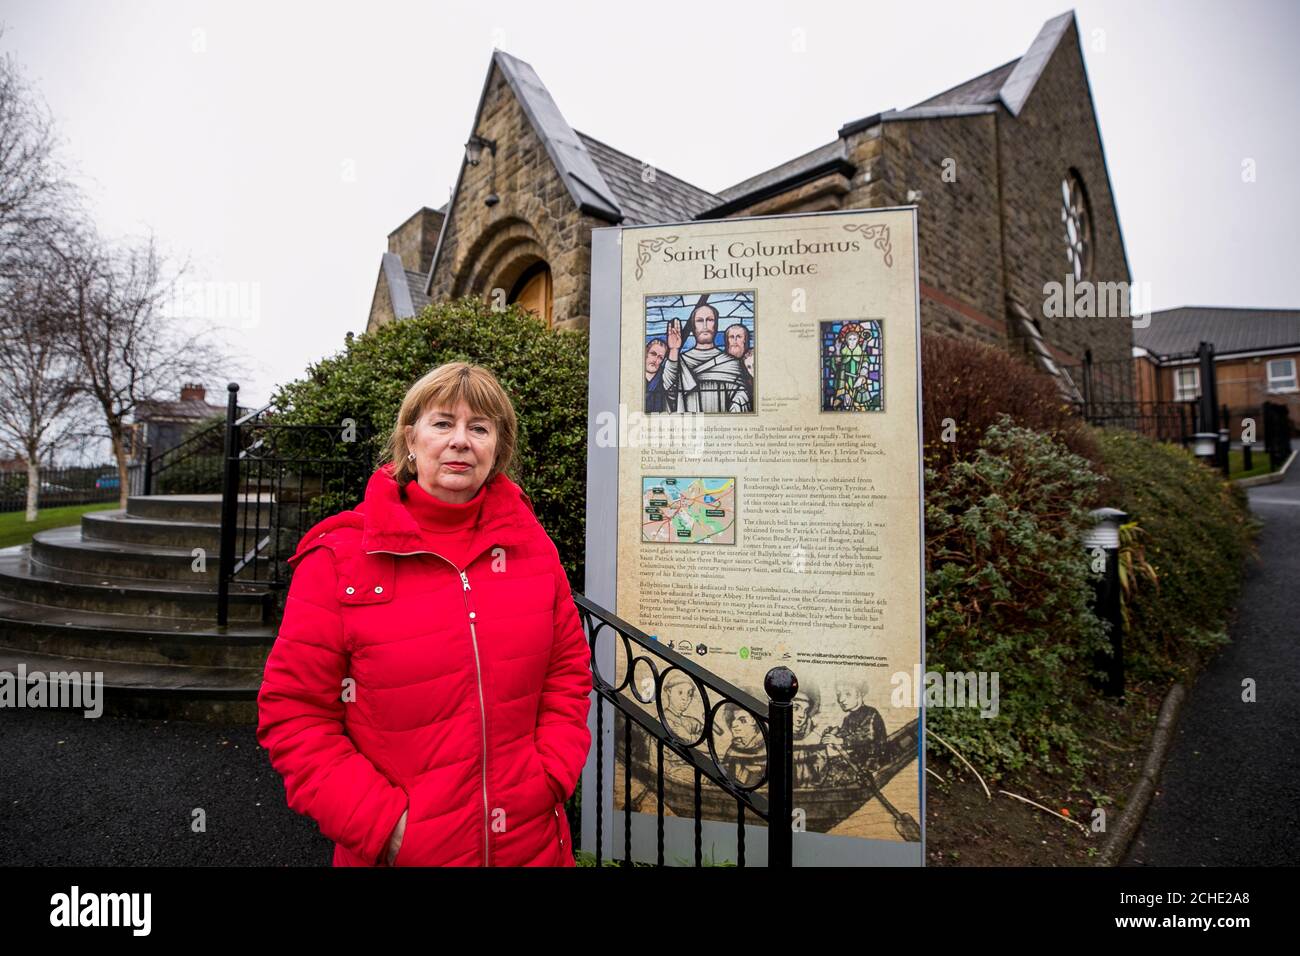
(277, 144)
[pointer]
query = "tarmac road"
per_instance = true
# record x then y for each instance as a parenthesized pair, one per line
(120, 791)
(1230, 790)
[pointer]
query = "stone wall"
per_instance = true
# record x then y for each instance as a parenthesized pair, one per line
(414, 240)
(1054, 133)
(952, 164)
(486, 248)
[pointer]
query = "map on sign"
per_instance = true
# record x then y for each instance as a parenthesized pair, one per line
(688, 510)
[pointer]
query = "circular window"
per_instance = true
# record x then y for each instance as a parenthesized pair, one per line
(1078, 226)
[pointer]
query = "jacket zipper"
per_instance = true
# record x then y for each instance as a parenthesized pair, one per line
(478, 674)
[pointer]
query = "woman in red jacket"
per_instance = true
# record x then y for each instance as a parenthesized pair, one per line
(426, 698)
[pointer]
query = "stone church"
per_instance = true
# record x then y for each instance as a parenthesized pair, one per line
(1007, 171)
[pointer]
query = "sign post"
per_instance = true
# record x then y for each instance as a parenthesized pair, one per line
(754, 499)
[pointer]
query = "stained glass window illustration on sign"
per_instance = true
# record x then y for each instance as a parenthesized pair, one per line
(699, 352)
(852, 366)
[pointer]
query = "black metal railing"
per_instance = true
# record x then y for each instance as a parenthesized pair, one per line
(278, 479)
(1174, 422)
(194, 466)
(673, 756)
(63, 486)
(1277, 433)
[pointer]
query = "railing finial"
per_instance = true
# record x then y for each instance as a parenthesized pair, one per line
(781, 685)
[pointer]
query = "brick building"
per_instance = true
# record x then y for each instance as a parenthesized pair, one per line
(1256, 356)
(1007, 171)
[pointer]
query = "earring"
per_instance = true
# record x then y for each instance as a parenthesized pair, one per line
(410, 456)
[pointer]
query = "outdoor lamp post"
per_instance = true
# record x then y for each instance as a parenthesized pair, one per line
(1102, 542)
(474, 148)
(1203, 444)
(474, 154)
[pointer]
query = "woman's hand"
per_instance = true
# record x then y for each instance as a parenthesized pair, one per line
(395, 840)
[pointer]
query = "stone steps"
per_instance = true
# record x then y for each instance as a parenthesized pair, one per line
(120, 595)
(134, 638)
(68, 549)
(149, 690)
(23, 579)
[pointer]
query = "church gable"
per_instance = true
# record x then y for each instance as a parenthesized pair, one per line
(996, 165)
(518, 225)
(1058, 204)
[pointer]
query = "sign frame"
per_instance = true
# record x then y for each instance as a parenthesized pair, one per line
(600, 586)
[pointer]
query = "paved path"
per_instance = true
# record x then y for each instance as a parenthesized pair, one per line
(1230, 791)
(118, 791)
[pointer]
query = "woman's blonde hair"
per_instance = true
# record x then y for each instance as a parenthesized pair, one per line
(444, 387)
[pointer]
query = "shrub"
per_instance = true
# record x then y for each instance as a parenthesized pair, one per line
(543, 370)
(973, 385)
(1008, 587)
(1197, 533)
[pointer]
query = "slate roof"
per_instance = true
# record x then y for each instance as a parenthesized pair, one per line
(1017, 87)
(574, 164)
(191, 409)
(983, 89)
(1178, 331)
(415, 285)
(609, 184)
(810, 160)
(663, 198)
(405, 288)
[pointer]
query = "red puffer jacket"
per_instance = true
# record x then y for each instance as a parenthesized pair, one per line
(401, 682)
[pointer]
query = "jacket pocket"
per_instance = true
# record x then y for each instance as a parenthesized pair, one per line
(413, 850)
(406, 837)
(554, 786)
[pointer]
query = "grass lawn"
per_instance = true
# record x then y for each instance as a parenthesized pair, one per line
(15, 530)
(1259, 463)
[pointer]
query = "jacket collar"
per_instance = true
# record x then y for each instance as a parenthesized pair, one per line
(506, 517)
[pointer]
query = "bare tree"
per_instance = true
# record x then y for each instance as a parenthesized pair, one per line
(35, 392)
(38, 389)
(33, 187)
(84, 319)
(128, 350)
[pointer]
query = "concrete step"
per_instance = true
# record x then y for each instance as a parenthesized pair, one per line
(148, 690)
(119, 526)
(132, 638)
(66, 549)
(23, 579)
(204, 509)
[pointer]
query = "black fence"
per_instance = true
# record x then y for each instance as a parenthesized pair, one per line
(62, 487)
(277, 480)
(1278, 430)
(1174, 422)
(196, 466)
(1102, 383)
(274, 480)
(666, 752)
(1103, 394)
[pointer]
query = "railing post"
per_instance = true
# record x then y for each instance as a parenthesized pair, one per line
(1104, 537)
(781, 686)
(1225, 442)
(1087, 380)
(229, 496)
(148, 469)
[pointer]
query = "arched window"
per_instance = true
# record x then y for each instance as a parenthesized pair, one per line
(1077, 219)
(532, 290)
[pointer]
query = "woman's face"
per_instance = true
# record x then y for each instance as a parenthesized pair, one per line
(454, 451)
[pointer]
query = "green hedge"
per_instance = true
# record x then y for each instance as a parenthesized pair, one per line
(1008, 586)
(544, 371)
(1197, 532)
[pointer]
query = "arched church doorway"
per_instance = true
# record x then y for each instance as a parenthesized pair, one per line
(532, 290)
